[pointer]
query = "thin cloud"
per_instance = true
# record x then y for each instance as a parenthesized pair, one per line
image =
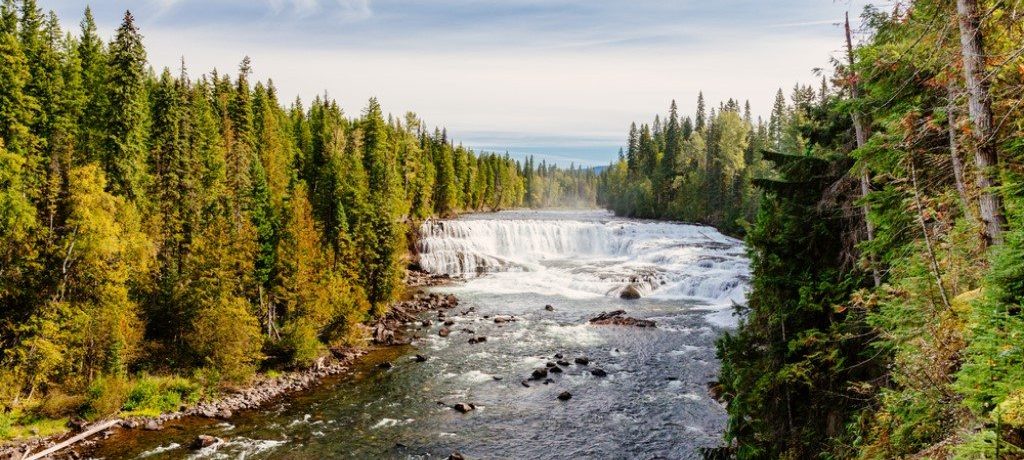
(805, 23)
(336, 10)
(561, 77)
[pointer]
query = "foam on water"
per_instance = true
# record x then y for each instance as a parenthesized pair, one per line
(586, 254)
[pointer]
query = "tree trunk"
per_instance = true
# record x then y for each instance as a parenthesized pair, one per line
(979, 106)
(954, 150)
(861, 132)
(927, 239)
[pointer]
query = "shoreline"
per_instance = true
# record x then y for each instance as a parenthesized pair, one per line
(387, 331)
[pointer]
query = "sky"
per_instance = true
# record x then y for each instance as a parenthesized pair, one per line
(559, 79)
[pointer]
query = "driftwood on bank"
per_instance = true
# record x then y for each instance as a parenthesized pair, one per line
(97, 428)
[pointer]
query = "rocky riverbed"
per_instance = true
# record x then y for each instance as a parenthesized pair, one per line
(542, 357)
(387, 331)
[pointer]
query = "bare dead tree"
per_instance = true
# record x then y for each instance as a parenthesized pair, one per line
(979, 105)
(861, 131)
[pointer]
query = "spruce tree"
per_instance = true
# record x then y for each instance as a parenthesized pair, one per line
(124, 147)
(673, 151)
(93, 60)
(701, 122)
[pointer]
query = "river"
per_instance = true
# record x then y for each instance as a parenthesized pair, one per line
(653, 402)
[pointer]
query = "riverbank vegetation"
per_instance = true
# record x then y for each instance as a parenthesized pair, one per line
(887, 241)
(163, 234)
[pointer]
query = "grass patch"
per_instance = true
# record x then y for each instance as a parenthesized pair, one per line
(152, 395)
(19, 425)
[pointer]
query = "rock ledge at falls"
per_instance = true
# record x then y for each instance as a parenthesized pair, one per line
(618, 318)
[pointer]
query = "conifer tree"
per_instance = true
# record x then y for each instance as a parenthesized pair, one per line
(122, 156)
(701, 121)
(93, 58)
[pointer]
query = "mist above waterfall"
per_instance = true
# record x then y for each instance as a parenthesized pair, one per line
(583, 254)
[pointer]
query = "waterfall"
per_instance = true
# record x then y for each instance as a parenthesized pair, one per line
(588, 253)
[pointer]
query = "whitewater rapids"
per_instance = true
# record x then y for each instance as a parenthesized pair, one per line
(552, 271)
(586, 254)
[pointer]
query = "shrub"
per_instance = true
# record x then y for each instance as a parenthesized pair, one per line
(155, 395)
(59, 404)
(106, 396)
(300, 344)
(226, 337)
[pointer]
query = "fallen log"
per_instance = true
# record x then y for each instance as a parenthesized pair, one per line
(72, 440)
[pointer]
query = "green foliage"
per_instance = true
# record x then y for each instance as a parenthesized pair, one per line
(227, 337)
(106, 396)
(58, 404)
(300, 344)
(151, 396)
(125, 90)
(679, 173)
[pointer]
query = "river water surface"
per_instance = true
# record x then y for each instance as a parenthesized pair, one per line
(653, 403)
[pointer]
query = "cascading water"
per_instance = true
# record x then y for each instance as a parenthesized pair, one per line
(581, 254)
(551, 272)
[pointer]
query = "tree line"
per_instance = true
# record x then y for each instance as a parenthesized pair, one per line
(164, 223)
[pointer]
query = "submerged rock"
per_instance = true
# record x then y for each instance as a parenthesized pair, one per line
(203, 441)
(630, 293)
(456, 456)
(565, 396)
(419, 358)
(444, 332)
(549, 308)
(619, 318)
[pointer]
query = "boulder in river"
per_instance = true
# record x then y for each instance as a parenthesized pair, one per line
(152, 425)
(501, 319)
(444, 332)
(619, 318)
(463, 408)
(539, 373)
(549, 308)
(77, 424)
(582, 360)
(564, 396)
(385, 365)
(419, 358)
(555, 370)
(456, 456)
(203, 441)
(630, 292)
(599, 372)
